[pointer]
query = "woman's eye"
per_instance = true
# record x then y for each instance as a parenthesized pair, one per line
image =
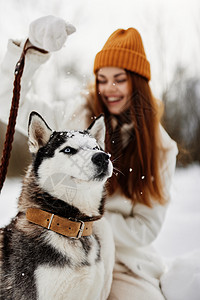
(101, 81)
(121, 80)
(115, 82)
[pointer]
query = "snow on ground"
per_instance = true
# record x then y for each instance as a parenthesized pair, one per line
(8, 200)
(180, 232)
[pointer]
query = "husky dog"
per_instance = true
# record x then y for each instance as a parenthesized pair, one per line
(59, 246)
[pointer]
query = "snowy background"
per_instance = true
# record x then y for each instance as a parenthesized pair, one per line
(171, 35)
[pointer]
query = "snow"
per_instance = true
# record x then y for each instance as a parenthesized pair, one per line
(8, 200)
(181, 282)
(179, 239)
(180, 232)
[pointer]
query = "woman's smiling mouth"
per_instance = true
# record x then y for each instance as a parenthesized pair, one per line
(113, 99)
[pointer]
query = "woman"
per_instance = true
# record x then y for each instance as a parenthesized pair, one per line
(143, 154)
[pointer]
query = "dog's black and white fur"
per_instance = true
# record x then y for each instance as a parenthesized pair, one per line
(66, 178)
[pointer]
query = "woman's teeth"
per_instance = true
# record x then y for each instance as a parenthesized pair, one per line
(113, 99)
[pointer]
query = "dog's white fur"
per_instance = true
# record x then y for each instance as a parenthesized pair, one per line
(81, 284)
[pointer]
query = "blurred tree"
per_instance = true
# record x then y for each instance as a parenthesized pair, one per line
(182, 114)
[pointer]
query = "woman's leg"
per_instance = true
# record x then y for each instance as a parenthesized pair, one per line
(131, 287)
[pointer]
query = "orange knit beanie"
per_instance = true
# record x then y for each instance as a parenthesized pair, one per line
(124, 49)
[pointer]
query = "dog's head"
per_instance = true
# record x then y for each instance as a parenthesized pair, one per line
(68, 160)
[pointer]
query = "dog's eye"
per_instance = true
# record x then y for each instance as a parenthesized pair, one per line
(69, 150)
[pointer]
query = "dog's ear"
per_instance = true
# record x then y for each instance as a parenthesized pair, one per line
(98, 130)
(38, 132)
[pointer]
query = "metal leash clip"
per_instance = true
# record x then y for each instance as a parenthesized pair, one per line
(17, 67)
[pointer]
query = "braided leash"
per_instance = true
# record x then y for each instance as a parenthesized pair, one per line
(13, 112)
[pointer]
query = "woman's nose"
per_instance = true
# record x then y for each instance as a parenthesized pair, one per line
(112, 85)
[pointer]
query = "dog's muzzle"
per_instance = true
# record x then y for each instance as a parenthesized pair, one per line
(101, 161)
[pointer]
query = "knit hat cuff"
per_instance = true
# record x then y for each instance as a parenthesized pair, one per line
(125, 59)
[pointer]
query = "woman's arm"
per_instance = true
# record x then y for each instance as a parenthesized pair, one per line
(48, 33)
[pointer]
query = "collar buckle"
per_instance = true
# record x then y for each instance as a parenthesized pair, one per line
(81, 228)
(50, 221)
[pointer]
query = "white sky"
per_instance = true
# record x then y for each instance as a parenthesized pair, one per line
(170, 29)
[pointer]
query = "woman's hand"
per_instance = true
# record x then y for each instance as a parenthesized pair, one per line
(49, 33)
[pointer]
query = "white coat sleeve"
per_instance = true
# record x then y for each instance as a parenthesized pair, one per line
(58, 115)
(28, 102)
(143, 224)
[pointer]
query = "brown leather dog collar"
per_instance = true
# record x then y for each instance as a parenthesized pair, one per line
(70, 228)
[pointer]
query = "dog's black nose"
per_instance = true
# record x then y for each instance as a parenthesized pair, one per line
(100, 159)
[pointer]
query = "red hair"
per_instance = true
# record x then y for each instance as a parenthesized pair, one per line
(137, 162)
